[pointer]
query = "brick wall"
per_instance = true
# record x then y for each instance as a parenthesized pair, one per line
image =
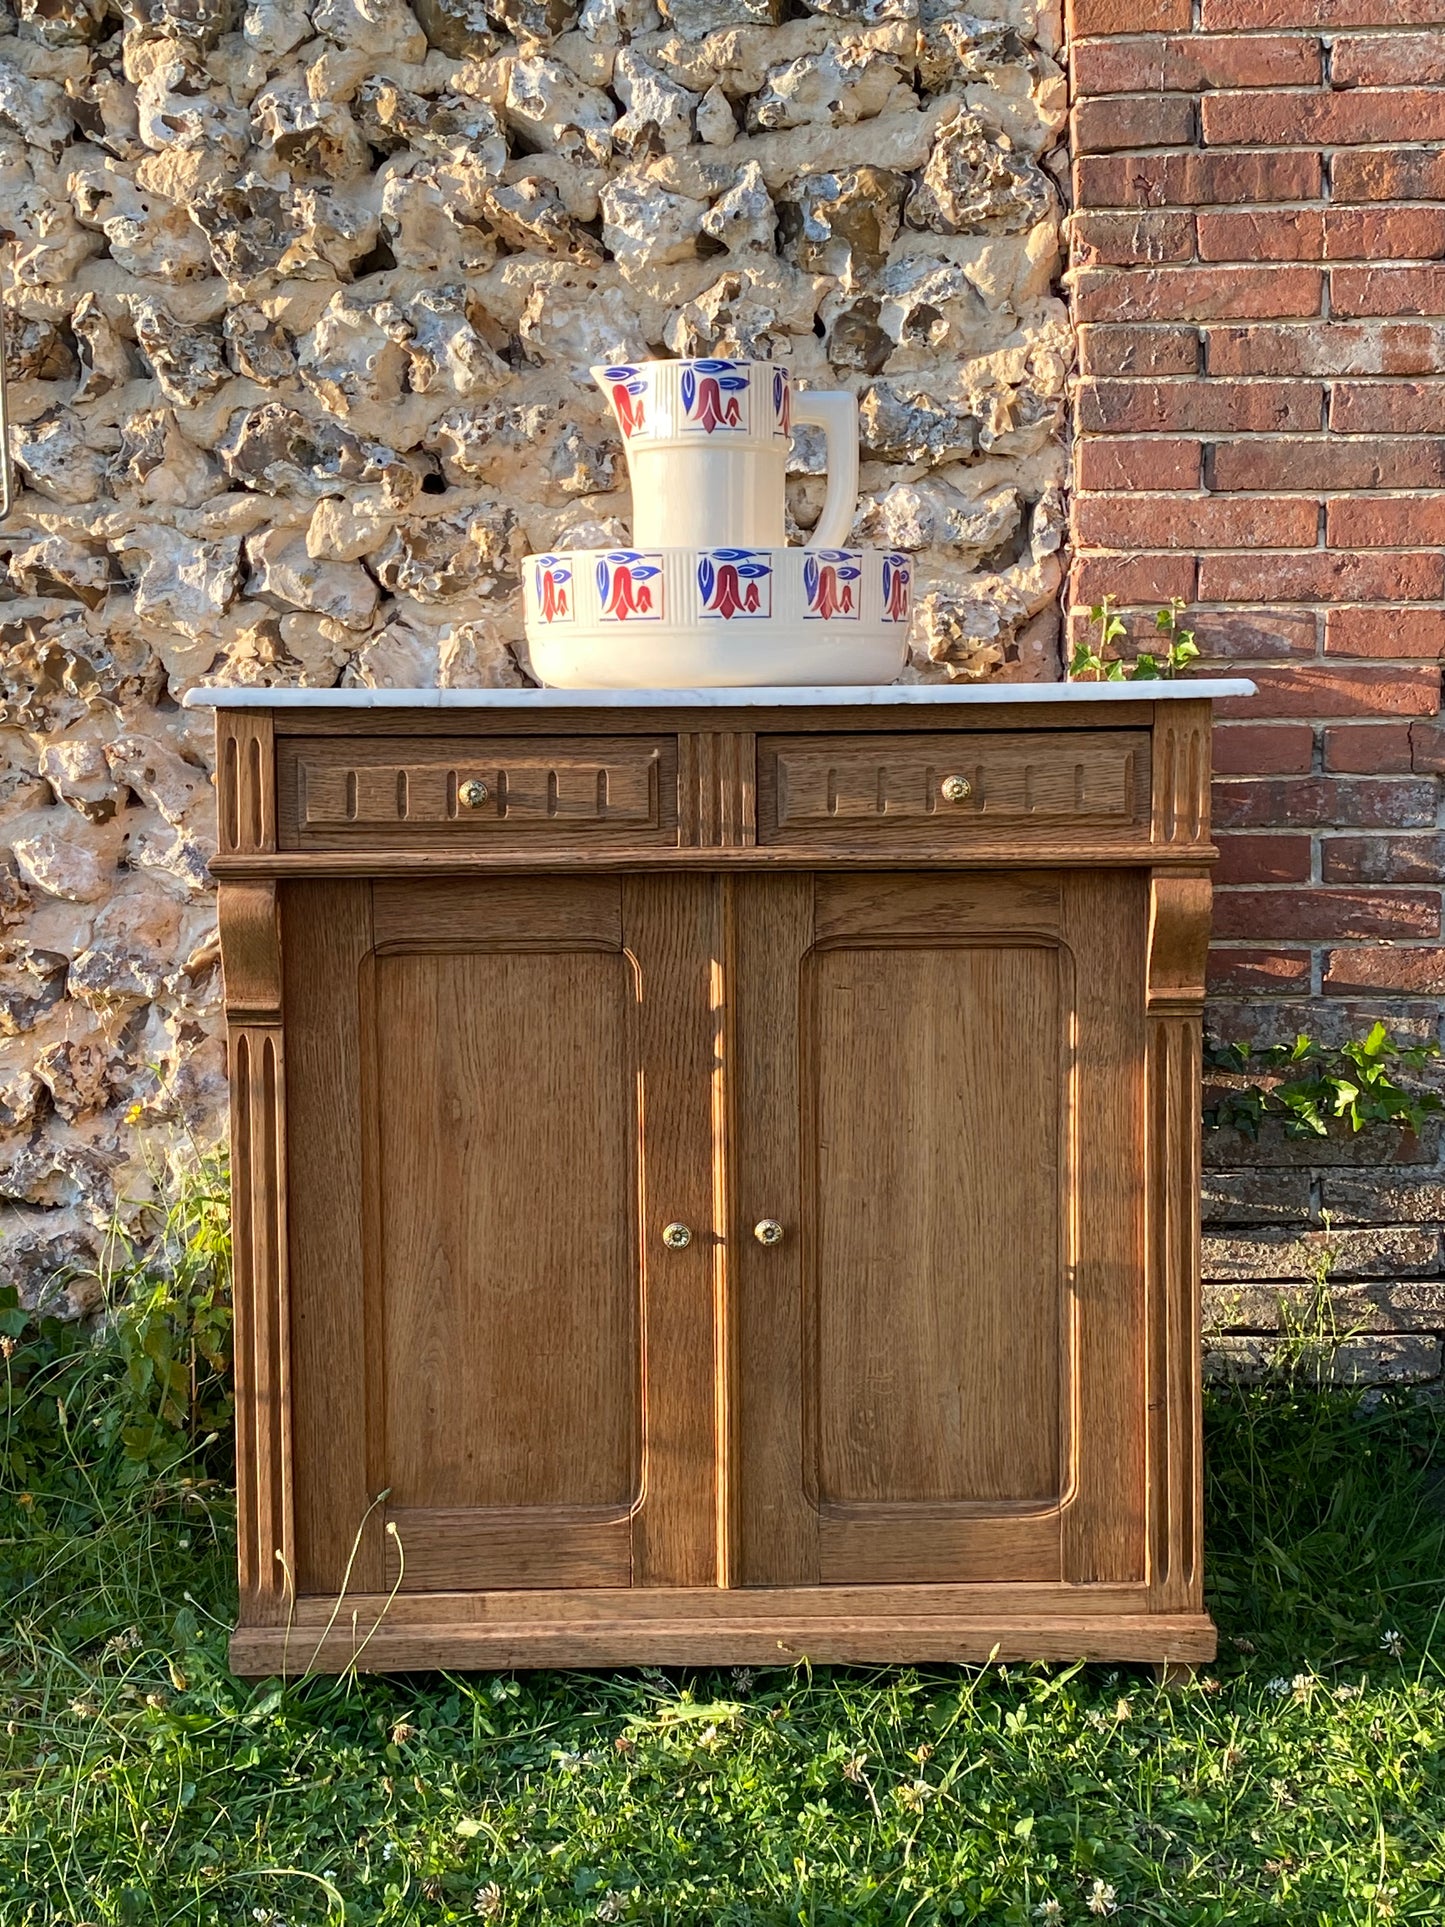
(1259, 279)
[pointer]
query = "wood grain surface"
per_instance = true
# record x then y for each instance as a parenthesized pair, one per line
(1085, 786)
(716, 978)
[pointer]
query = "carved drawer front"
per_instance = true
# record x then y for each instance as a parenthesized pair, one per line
(477, 792)
(944, 789)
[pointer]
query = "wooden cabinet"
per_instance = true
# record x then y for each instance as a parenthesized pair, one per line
(716, 1195)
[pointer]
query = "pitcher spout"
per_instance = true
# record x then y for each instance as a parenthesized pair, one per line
(625, 387)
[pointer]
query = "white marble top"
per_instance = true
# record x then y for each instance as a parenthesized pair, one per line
(843, 696)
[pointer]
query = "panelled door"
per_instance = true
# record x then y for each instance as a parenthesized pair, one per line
(501, 1090)
(518, 1080)
(934, 1097)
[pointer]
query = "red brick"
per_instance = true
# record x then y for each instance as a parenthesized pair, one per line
(1257, 973)
(1328, 348)
(1273, 234)
(1198, 294)
(1396, 633)
(1189, 180)
(1223, 635)
(1254, 635)
(1128, 239)
(1389, 174)
(1368, 749)
(1224, 15)
(1387, 291)
(1138, 351)
(1319, 802)
(1321, 576)
(1191, 522)
(1325, 464)
(1427, 748)
(1263, 749)
(1384, 233)
(1384, 859)
(1414, 971)
(1121, 121)
(1387, 408)
(1128, 16)
(1284, 119)
(1385, 522)
(1153, 461)
(1264, 857)
(1345, 689)
(1388, 60)
(1264, 407)
(1134, 578)
(1195, 62)
(1327, 915)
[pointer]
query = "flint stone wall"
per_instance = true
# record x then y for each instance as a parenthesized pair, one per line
(301, 304)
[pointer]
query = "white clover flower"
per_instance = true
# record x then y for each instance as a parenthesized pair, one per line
(1393, 1643)
(1049, 1909)
(914, 1795)
(1102, 1898)
(487, 1901)
(612, 1905)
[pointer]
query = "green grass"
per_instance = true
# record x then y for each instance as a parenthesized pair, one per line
(1301, 1780)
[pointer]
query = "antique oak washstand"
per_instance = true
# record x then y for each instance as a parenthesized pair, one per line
(716, 1172)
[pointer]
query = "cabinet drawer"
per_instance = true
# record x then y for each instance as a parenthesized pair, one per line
(943, 790)
(340, 793)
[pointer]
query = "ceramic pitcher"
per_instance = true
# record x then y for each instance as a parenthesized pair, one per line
(707, 448)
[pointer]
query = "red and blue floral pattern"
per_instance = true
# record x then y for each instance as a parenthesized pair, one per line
(897, 587)
(832, 585)
(629, 586)
(553, 580)
(735, 582)
(713, 396)
(628, 396)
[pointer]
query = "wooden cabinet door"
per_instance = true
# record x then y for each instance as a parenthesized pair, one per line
(937, 1374)
(501, 1085)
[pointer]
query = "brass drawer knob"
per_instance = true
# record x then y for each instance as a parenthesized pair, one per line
(677, 1237)
(955, 789)
(768, 1231)
(472, 794)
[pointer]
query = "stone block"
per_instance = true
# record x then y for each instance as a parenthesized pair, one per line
(1393, 1360)
(1383, 1197)
(1381, 1251)
(1347, 1311)
(1256, 1197)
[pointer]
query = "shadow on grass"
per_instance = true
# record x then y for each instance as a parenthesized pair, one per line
(1324, 1524)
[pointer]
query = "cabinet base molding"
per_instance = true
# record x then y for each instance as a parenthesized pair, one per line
(697, 1638)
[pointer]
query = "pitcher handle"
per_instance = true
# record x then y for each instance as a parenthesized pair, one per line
(835, 411)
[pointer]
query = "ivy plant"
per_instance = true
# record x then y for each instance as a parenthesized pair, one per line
(1311, 1086)
(1092, 659)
